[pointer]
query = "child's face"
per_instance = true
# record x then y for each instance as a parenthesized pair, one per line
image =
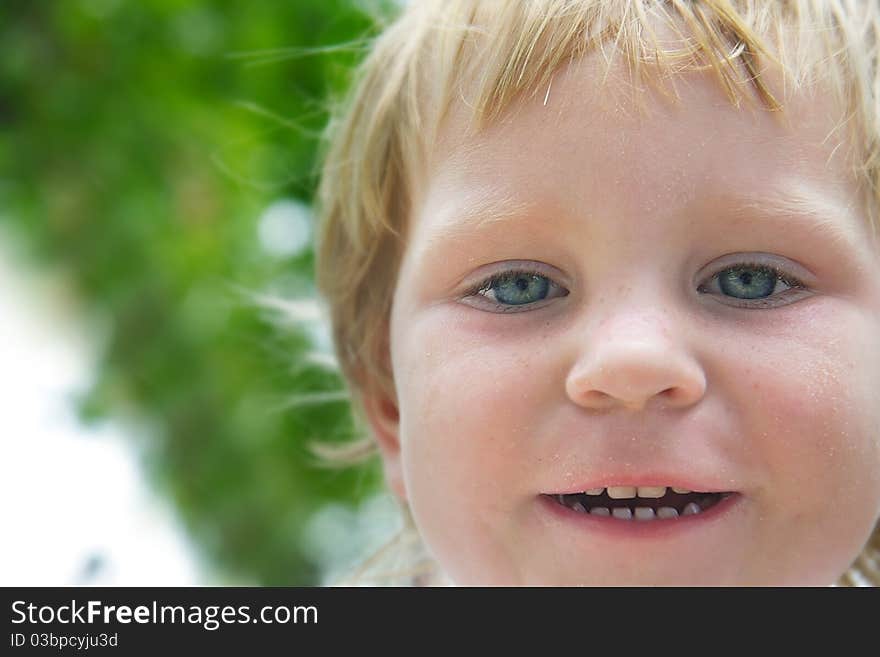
(622, 359)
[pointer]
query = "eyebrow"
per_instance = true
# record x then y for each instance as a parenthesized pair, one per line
(479, 212)
(796, 207)
(473, 216)
(800, 207)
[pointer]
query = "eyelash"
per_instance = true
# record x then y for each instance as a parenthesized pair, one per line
(487, 283)
(780, 275)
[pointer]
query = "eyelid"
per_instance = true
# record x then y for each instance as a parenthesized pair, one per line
(513, 267)
(730, 262)
(785, 264)
(753, 262)
(781, 273)
(506, 267)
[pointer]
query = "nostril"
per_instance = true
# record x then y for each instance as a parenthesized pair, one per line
(669, 395)
(596, 398)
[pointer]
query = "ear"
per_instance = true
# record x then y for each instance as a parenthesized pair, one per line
(384, 419)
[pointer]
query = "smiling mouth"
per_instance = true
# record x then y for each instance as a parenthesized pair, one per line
(640, 503)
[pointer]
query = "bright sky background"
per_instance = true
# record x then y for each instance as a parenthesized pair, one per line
(75, 507)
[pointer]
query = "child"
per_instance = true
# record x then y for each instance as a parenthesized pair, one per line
(607, 323)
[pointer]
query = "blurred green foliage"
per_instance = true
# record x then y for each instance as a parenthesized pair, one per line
(140, 142)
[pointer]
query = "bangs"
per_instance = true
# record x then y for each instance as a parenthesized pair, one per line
(500, 51)
(485, 55)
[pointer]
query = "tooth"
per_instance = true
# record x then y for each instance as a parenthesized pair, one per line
(652, 491)
(561, 499)
(681, 491)
(622, 512)
(644, 513)
(600, 511)
(579, 507)
(691, 508)
(621, 492)
(594, 491)
(667, 512)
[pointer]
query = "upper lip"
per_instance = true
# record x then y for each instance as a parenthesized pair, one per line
(696, 483)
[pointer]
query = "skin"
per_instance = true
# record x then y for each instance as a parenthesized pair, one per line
(627, 372)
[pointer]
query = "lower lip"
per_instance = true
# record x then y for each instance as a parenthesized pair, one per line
(633, 529)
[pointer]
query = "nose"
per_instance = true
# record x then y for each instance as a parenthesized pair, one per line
(634, 360)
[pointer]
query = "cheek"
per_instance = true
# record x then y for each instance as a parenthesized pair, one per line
(815, 414)
(469, 418)
(468, 404)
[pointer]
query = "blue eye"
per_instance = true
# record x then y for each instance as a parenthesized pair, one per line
(517, 287)
(752, 282)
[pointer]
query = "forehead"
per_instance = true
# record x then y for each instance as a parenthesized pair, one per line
(584, 142)
(588, 95)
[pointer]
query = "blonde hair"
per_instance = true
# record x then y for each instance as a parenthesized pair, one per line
(421, 62)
